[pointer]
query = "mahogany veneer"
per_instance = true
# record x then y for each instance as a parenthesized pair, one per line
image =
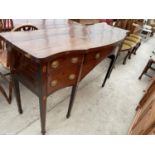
(58, 56)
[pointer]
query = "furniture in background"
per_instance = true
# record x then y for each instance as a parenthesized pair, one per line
(5, 26)
(144, 121)
(27, 27)
(130, 44)
(86, 21)
(146, 32)
(151, 22)
(148, 66)
(133, 41)
(50, 59)
(127, 46)
(5, 60)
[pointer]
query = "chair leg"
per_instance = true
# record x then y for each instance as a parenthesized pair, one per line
(4, 93)
(136, 49)
(113, 59)
(129, 57)
(146, 68)
(124, 61)
(73, 94)
(10, 92)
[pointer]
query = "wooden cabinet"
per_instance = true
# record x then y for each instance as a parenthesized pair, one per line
(144, 121)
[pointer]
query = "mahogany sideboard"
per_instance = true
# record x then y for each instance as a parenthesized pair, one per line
(49, 59)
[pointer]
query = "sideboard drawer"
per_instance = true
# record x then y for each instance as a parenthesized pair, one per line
(94, 57)
(64, 63)
(63, 72)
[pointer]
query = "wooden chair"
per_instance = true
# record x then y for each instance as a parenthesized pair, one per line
(25, 28)
(148, 66)
(5, 26)
(132, 41)
(4, 60)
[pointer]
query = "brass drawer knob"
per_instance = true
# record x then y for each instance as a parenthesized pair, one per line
(74, 60)
(55, 64)
(97, 56)
(71, 76)
(54, 83)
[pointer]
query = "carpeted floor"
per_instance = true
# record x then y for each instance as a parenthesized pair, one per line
(108, 110)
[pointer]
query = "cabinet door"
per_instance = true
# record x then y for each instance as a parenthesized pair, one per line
(144, 120)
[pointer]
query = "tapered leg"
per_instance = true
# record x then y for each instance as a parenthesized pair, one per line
(73, 94)
(42, 102)
(17, 94)
(146, 68)
(109, 69)
(124, 61)
(10, 92)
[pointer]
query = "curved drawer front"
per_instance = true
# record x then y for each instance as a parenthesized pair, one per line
(94, 57)
(63, 71)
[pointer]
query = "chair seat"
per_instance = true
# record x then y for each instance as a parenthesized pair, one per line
(135, 36)
(135, 40)
(125, 47)
(129, 43)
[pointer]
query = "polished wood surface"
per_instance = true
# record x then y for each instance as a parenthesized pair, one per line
(144, 121)
(46, 42)
(58, 56)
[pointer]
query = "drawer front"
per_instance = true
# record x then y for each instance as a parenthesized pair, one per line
(63, 72)
(92, 58)
(64, 63)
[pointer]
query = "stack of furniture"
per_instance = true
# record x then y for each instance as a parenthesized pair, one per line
(144, 121)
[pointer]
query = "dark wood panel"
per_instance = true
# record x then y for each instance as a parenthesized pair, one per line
(75, 38)
(26, 69)
(94, 57)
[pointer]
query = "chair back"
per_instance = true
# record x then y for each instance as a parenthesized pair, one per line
(4, 56)
(6, 25)
(26, 28)
(126, 24)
